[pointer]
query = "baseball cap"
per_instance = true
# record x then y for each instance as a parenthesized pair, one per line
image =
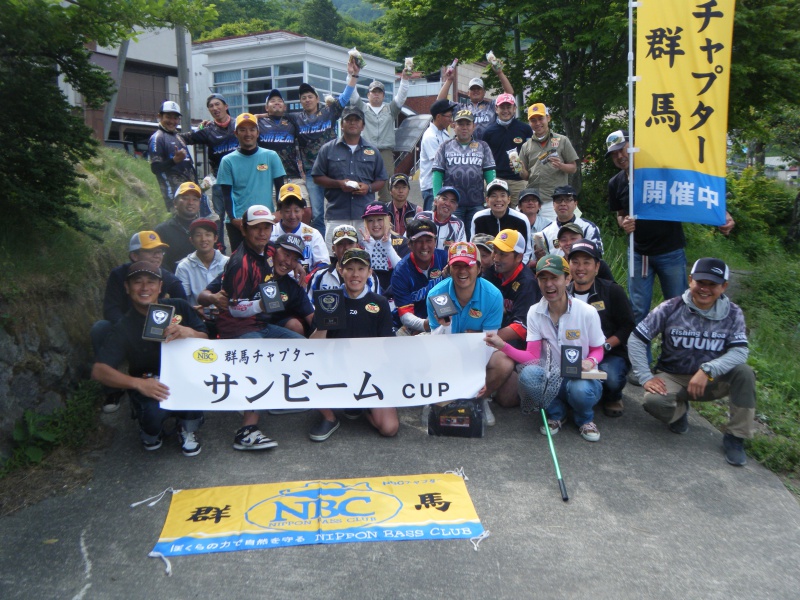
(168, 106)
(397, 177)
(564, 190)
(375, 209)
(356, 254)
(203, 224)
(476, 81)
(710, 269)
(442, 106)
(352, 110)
(529, 192)
(573, 227)
(616, 140)
(258, 213)
(537, 109)
(462, 114)
(376, 85)
(416, 228)
(587, 247)
(304, 88)
(510, 240)
(497, 183)
(483, 240)
(188, 187)
(452, 190)
(552, 264)
(344, 232)
(146, 240)
(143, 267)
(219, 97)
(463, 252)
(274, 92)
(245, 118)
(291, 242)
(505, 99)
(291, 191)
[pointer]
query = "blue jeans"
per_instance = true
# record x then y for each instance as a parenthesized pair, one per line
(272, 332)
(427, 199)
(671, 270)
(151, 417)
(581, 395)
(465, 214)
(316, 196)
(617, 369)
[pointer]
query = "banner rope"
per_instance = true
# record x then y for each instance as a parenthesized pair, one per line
(157, 497)
(168, 568)
(477, 540)
(459, 471)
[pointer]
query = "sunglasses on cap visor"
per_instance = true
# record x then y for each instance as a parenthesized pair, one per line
(344, 233)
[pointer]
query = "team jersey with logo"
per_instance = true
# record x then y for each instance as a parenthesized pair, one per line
(410, 285)
(579, 326)
(251, 177)
(219, 140)
(367, 316)
(280, 135)
(484, 113)
(689, 339)
(448, 232)
(315, 130)
(462, 167)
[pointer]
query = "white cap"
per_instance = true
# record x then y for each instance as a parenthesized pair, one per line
(170, 107)
(476, 81)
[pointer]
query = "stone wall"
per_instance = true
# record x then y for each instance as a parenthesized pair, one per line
(44, 353)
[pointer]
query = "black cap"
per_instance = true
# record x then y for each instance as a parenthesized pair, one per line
(305, 88)
(710, 269)
(587, 247)
(564, 190)
(276, 92)
(352, 110)
(416, 228)
(143, 267)
(219, 97)
(399, 177)
(442, 106)
(291, 242)
(529, 192)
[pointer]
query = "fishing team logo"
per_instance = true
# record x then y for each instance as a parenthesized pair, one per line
(329, 302)
(160, 316)
(572, 355)
(319, 506)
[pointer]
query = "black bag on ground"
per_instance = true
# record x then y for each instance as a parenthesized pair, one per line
(459, 418)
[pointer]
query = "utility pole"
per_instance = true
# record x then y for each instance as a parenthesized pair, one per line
(183, 78)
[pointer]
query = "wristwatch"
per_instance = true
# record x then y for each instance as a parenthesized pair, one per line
(607, 347)
(707, 370)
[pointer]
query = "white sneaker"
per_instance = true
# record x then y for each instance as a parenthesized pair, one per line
(589, 432)
(488, 415)
(251, 438)
(190, 445)
(555, 427)
(425, 415)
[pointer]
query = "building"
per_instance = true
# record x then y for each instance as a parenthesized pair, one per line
(150, 76)
(245, 68)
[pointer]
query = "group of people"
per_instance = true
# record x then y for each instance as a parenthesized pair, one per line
(499, 232)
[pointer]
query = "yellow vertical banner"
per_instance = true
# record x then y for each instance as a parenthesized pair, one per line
(683, 59)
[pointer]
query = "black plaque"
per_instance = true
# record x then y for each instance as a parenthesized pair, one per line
(571, 359)
(159, 317)
(443, 306)
(329, 309)
(271, 297)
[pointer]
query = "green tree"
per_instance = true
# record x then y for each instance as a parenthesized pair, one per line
(40, 41)
(320, 19)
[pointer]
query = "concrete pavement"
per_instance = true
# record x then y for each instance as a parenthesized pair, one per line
(651, 515)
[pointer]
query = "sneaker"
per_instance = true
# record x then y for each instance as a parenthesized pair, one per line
(190, 445)
(111, 402)
(589, 432)
(251, 438)
(425, 415)
(352, 413)
(682, 424)
(323, 430)
(152, 445)
(734, 450)
(633, 380)
(553, 424)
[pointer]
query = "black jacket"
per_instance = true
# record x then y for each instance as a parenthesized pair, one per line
(614, 308)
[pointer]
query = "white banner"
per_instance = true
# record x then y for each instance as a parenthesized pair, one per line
(346, 373)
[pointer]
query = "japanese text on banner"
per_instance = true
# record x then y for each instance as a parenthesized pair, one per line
(683, 57)
(255, 374)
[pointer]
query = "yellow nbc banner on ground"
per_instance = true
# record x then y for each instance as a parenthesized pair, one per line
(273, 515)
(683, 58)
